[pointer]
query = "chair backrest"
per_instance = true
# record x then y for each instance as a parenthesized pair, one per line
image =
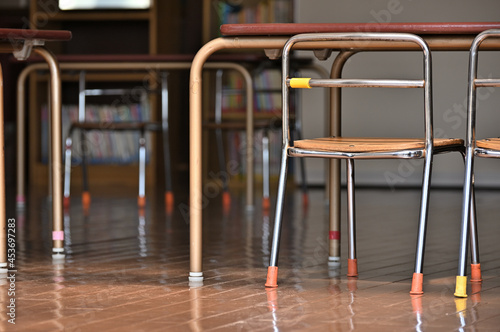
(358, 42)
(129, 93)
(475, 83)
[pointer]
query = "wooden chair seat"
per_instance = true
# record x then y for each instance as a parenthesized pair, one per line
(489, 143)
(371, 144)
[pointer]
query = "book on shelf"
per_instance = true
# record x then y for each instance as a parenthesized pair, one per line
(101, 146)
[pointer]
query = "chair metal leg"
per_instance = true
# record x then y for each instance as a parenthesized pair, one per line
(81, 118)
(474, 239)
(141, 199)
(86, 193)
(297, 131)
(266, 203)
(418, 277)
(67, 172)
(169, 194)
(461, 280)
(352, 263)
(272, 272)
(226, 198)
(305, 197)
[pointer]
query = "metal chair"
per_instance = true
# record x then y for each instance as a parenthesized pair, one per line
(352, 148)
(486, 148)
(264, 124)
(135, 126)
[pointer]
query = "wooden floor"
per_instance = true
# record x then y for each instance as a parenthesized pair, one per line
(127, 272)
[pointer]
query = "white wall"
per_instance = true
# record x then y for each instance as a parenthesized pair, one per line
(399, 111)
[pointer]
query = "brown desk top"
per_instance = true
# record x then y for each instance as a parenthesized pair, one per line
(28, 34)
(284, 29)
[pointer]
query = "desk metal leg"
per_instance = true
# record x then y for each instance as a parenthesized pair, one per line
(195, 168)
(334, 169)
(20, 150)
(56, 144)
(3, 217)
(196, 200)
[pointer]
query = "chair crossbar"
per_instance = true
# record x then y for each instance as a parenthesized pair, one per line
(354, 83)
(487, 82)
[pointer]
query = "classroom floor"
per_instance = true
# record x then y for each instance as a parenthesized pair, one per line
(125, 271)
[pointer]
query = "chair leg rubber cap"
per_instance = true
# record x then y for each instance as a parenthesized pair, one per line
(352, 267)
(86, 200)
(475, 273)
(305, 200)
(66, 202)
(169, 199)
(272, 277)
(226, 200)
(461, 286)
(141, 201)
(266, 203)
(417, 284)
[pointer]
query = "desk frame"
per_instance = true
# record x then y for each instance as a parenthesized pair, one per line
(116, 66)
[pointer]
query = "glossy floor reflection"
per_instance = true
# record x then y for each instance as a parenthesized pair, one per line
(127, 271)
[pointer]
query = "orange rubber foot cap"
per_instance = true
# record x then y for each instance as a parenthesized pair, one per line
(266, 203)
(272, 277)
(305, 200)
(226, 199)
(417, 284)
(475, 273)
(141, 201)
(169, 199)
(86, 200)
(352, 267)
(66, 202)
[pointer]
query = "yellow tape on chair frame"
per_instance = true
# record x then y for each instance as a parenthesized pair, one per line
(300, 83)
